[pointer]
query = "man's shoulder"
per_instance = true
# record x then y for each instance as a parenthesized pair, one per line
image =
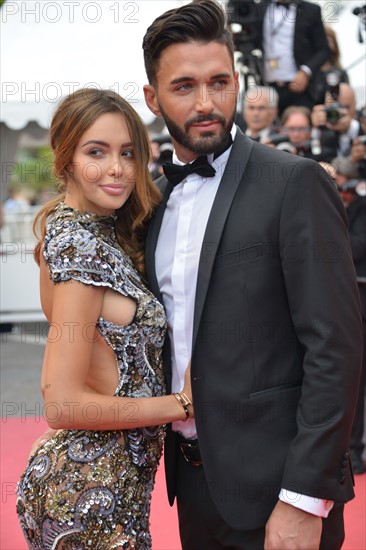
(269, 164)
(306, 7)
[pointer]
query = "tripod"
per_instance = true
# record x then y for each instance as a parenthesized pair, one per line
(249, 66)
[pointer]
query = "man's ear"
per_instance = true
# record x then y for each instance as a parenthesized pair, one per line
(237, 83)
(151, 99)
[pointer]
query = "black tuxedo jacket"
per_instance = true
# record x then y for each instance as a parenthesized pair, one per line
(310, 42)
(276, 336)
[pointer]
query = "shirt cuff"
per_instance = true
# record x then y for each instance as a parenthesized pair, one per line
(306, 70)
(312, 505)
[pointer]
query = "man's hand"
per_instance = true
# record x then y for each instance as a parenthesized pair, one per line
(318, 116)
(267, 141)
(48, 434)
(299, 83)
(343, 124)
(291, 528)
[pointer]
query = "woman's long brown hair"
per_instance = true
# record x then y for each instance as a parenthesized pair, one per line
(76, 113)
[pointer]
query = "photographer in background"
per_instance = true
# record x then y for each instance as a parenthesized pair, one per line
(296, 125)
(362, 119)
(242, 16)
(161, 151)
(260, 108)
(333, 63)
(291, 35)
(154, 166)
(336, 118)
(358, 150)
(332, 66)
(297, 136)
(358, 154)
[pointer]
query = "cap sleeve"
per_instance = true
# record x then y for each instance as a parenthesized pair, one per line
(78, 255)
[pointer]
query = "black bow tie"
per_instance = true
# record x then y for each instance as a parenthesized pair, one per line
(175, 173)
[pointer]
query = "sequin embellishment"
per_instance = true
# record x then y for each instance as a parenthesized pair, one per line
(92, 489)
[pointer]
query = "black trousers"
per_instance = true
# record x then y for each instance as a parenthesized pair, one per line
(202, 528)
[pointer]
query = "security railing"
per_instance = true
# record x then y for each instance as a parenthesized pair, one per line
(19, 274)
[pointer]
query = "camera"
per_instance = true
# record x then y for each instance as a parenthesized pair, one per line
(243, 19)
(334, 110)
(245, 14)
(355, 186)
(282, 143)
(361, 13)
(333, 113)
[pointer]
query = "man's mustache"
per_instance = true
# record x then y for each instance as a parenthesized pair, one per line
(207, 118)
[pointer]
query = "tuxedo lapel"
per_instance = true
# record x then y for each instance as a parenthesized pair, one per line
(299, 21)
(229, 184)
(152, 239)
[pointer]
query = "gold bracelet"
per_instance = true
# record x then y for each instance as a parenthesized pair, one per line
(187, 401)
(183, 400)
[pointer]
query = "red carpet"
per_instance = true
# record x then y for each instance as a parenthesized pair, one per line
(16, 438)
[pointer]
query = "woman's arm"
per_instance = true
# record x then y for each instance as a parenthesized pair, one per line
(68, 403)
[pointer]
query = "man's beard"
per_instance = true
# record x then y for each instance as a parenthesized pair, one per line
(206, 144)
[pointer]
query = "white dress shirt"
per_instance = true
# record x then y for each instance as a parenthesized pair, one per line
(345, 139)
(181, 237)
(278, 42)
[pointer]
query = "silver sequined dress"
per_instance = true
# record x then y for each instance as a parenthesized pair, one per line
(92, 489)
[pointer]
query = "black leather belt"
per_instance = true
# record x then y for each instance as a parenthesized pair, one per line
(279, 84)
(190, 450)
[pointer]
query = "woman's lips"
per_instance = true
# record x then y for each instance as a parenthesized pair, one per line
(113, 189)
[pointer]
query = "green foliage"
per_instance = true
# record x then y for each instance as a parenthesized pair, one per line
(33, 172)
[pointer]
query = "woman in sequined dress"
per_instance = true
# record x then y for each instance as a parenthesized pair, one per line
(89, 485)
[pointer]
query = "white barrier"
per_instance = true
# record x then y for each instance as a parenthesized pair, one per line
(19, 273)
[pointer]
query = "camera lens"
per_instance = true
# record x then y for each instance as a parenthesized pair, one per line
(333, 115)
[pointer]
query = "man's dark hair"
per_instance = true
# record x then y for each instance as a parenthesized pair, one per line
(201, 20)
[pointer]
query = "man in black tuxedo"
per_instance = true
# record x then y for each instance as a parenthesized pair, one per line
(291, 35)
(250, 255)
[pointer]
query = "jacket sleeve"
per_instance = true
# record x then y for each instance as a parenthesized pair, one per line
(322, 293)
(311, 45)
